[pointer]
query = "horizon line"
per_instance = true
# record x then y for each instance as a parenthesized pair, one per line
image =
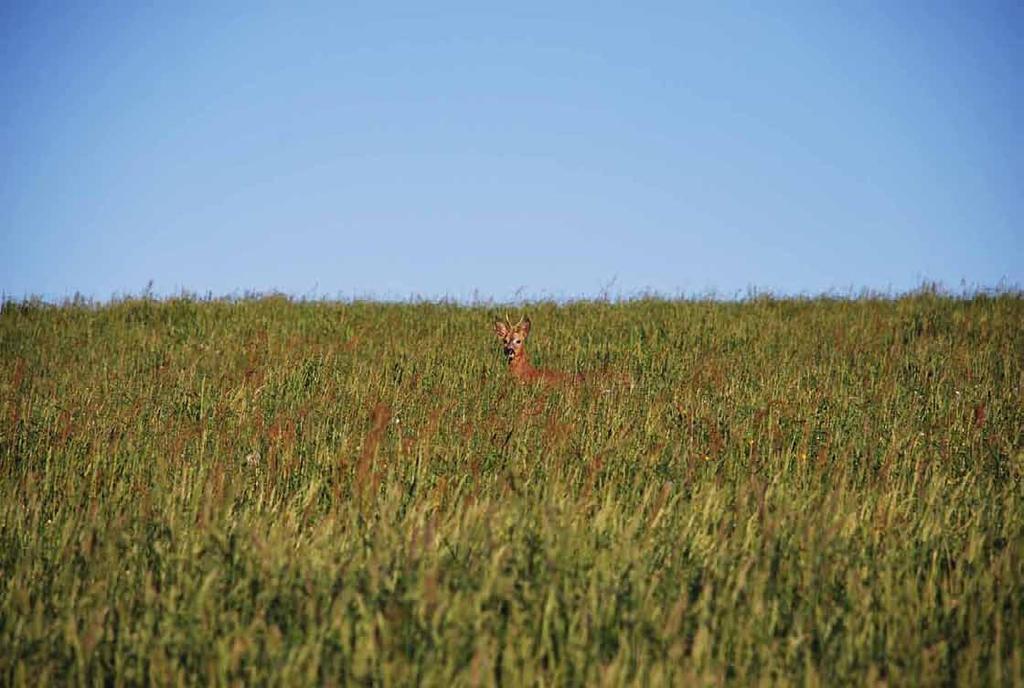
(750, 294)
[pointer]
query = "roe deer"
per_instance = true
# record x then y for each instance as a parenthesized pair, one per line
(513, 338)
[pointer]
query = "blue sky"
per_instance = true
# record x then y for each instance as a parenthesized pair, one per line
(461, 150)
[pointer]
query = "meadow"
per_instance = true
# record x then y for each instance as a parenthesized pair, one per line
(818, 491)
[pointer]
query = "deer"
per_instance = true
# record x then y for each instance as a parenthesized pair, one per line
(513, 339)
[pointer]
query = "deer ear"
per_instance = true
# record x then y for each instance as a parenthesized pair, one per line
(525, 328)
(500, 328)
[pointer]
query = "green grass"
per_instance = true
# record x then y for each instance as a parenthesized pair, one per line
(264, 491)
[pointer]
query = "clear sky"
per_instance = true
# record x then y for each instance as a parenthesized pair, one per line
(509, 149)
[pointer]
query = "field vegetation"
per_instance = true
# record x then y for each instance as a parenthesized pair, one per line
(820, 491)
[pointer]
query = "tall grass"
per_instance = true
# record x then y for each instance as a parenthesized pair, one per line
(816, 491)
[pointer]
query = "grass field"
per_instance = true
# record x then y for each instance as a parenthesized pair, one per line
(817, 491)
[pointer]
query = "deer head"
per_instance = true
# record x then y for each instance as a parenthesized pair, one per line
(512, 337)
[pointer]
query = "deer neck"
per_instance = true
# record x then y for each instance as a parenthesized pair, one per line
(520, 365)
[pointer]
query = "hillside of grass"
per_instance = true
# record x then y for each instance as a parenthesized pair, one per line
(818, 491)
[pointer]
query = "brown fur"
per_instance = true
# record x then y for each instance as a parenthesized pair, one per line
(513, 339)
